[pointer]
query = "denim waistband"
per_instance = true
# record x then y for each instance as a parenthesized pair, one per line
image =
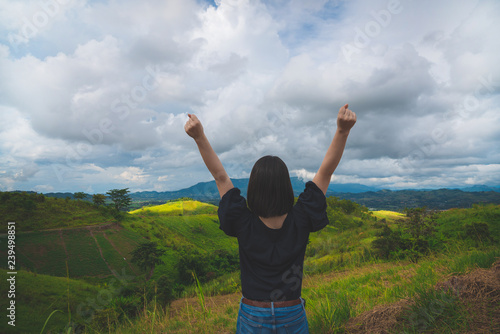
(273, 314)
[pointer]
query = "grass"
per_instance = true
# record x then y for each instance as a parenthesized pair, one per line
(85, 258)
(431, 309)
(389, 216)
(343, 279)
(39, 296)
(125, 240)
(333, 311)
(180, 233)
(450, 219)
(331, 249)
(33, 212)
(333, 301)
(113, 258)
(361, 293)
(40, 252)
(43, 252)
(201, 296)
(199, 231)
(470, 307)
(226, 284)
(178, 208)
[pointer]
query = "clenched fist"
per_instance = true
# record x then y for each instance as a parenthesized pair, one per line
(345, 119)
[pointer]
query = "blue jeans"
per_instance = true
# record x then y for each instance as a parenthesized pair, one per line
(275, 320)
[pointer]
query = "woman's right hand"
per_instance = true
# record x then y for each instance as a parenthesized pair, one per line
(193, 127)
(345, 119)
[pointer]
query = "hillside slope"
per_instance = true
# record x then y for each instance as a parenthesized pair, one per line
(178, 208)
(49, 260)
(35, 212)
(37, 296)
(94, 251)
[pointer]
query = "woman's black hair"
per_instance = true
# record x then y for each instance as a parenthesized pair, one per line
(270, 192)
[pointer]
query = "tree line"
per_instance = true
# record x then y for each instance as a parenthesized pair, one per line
(119, 197)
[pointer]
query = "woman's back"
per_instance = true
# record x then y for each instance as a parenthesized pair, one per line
(271, 260)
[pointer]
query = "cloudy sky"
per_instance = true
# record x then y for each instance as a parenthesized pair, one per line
(94, 94)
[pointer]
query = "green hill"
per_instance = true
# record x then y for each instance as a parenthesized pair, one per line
(98, 258)
(37, 296)
(100, 254)
(178, 208)
(34, 212)
(98, 250)
(189, 232)
(88, 251)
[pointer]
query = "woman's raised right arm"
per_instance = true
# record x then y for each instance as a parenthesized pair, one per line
(345, 121)
(194, 129)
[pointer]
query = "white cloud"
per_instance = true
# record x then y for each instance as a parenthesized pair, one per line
(303, 174)
(134, 175)
(97, 99)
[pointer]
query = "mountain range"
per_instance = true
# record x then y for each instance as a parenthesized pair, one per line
(372, 197)
(207, 191)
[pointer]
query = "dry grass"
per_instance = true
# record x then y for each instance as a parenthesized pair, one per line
(381, 320)
(217, 304)
(478, 298)
(478, 293)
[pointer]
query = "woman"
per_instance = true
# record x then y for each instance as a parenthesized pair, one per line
(272, 232)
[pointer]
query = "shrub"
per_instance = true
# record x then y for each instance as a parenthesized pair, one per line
(477, 231)
(164, 290)
(127, 305)
(389, 242)
(380, 223)
(190, 261)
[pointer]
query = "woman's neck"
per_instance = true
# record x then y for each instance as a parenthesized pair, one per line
(274, 222)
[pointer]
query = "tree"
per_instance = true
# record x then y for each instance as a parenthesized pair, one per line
(147, 256)
(80, 195)
(420, 223)
(389, 242)
(98, 199)
(120, 198)
(192, 260)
